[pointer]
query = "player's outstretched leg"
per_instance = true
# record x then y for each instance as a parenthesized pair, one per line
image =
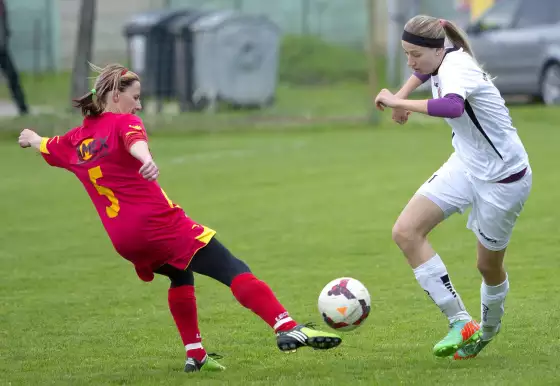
(217, 262)
(257, 296)
(182, 304)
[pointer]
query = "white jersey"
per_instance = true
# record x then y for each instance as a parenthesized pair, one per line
(483, 137)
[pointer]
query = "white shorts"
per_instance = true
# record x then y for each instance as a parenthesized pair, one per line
(495, 206)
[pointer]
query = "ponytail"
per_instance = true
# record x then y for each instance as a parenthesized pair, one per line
(89, 105)
(457, 36)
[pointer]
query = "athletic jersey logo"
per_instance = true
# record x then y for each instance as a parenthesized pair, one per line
(92, 148)
(136, 127)
(436, 85)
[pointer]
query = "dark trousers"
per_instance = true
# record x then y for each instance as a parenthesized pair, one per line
(12, 77)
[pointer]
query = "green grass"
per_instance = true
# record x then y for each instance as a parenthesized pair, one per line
(301, 207)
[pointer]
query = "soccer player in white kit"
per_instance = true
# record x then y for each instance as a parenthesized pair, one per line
(488, 171)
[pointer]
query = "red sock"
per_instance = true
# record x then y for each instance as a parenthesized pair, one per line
(182, 304)
(257, 296)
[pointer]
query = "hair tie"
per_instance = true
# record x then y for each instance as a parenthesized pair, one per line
(443, 22)
(93, 91)
(123, 73)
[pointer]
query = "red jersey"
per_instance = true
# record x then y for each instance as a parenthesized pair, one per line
(144, 225)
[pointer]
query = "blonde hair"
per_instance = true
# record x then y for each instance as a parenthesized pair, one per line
(111, 77)
(434, 28)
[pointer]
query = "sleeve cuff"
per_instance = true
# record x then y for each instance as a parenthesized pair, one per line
(43, 146)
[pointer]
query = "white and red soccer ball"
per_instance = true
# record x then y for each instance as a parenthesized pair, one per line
(344, 304)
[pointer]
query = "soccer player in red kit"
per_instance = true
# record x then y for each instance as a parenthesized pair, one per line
(110, 156)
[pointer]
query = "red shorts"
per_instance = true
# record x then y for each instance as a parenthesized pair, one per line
(176, 250)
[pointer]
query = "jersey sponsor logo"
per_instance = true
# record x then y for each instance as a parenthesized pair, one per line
(92, 148)
(136, 127)
(436, 85)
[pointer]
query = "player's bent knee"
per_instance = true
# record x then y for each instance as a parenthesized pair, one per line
(405, 235)
(485, 268)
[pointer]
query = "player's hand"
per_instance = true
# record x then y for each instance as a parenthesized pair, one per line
(149, 170)
(385, 98)
(27, 137)
(400, 115)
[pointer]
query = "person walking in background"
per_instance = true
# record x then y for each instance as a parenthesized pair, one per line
(7, 64)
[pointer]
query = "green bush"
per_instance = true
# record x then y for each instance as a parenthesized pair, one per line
(310, 60)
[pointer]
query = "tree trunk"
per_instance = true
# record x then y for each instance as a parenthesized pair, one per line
(84, 48)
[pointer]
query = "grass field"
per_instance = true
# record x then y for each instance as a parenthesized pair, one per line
(301, 207)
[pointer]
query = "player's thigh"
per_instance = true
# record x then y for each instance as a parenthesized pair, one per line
(496, 209)
(216, 261)
(418, 217)
(446, 192)
(178, 277)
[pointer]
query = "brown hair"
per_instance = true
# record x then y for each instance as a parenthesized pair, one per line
(111, 77)
(431, 27)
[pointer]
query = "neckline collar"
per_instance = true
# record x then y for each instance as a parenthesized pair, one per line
(447, 50)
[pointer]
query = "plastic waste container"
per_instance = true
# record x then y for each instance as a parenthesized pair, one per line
(225, 56)
(151, 50)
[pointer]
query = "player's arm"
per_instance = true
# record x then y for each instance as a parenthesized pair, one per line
(450, 106)
(140, 150)
(456, 86)
(412, 83)
(135, 141)
(56, 150)
(458, 79)
(387, 99)
(400, 115)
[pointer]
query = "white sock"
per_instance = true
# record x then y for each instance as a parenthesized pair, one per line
(434, 279)
(492, 299)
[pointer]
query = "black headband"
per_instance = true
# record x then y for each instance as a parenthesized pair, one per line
(422, 41)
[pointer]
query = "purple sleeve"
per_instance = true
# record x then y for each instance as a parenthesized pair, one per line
(450, 106)
(423, 77)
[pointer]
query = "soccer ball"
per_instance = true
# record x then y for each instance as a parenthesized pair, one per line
(344, 304)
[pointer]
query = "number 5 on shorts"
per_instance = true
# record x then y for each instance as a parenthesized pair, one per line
(113, 210)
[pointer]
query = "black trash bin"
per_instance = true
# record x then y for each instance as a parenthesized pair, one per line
(184, 58)
(151, 50)
(225, 56)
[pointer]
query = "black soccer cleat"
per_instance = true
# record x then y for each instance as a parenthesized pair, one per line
(209, 363)
(305, 335)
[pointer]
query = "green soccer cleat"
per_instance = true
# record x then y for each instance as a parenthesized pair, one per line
(471, 350)
(209, 363)
(305, 335)
(461, 333)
